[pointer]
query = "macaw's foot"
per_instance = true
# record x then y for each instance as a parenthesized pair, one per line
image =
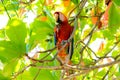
(64, 42)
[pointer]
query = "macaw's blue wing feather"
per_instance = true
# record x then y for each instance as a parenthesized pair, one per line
(55, 39)
(71, 48)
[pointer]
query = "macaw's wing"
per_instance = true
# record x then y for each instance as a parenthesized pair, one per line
(71, 48)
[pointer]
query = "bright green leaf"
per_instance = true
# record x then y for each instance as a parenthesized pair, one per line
(87, 61)
(10, 67)
(114, 20)
(3, 77)
(39, 32)
(101, 73)
(117, 73)
(10, 50)
(16, 31)
(115, 53)
(2, 33)
(117, 2)
(41, 29)
(41, 74)
(3, 59)
(25, 76)
(45, 75)
(107, 34)
(75, 1)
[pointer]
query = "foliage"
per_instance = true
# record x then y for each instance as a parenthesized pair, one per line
(27, 44)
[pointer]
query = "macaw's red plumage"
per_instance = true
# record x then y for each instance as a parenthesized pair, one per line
(62, 32)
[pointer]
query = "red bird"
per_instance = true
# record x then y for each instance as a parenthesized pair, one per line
(62, 32)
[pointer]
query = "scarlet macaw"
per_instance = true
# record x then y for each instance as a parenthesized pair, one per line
(62, 32)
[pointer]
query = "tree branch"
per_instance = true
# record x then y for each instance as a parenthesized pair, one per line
(49, 50)
(86, 70)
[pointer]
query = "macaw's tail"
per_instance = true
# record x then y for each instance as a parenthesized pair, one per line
(64, 57)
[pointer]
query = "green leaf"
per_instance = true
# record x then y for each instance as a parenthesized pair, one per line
(75, 1)
(41, 28)
(87, 61)
(107, 34)
(117, 74)
(10, 50)
(2, 77)
(2, 33)
(101, 73)
(25, 76)
(2, 8)
(3, 59)
(39, 32)
(10, 67)
(41, 74)
(16, 31)
(115, 53)
(117, 2)
(50, 20)
(114, 18)
(11, 5)
(96, 35)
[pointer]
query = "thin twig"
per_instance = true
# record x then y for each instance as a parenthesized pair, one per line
(90, 49)
(83, 48)
(5, 9)
(81, 5)
(90, 36)
(49, 50)
(37, 74)
(36, 60)
(117, 57)
(89, 54)
(20, 72)
(42, 60)
(62, 75)
(15, 10)
(73, 9)
(113, 73)
(106, 73)
(86, 46)
(45, 56)
(112, 48)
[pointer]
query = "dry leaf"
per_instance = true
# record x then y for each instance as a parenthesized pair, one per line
(48, 2)
(101, 46)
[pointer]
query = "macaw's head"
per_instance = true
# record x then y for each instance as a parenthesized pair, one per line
(107, 2)
(60, 18)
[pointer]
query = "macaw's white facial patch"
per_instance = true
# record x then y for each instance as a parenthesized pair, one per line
(62, 17)
(56, 16)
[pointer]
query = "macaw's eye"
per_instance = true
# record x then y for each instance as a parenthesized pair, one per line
(57, 18)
